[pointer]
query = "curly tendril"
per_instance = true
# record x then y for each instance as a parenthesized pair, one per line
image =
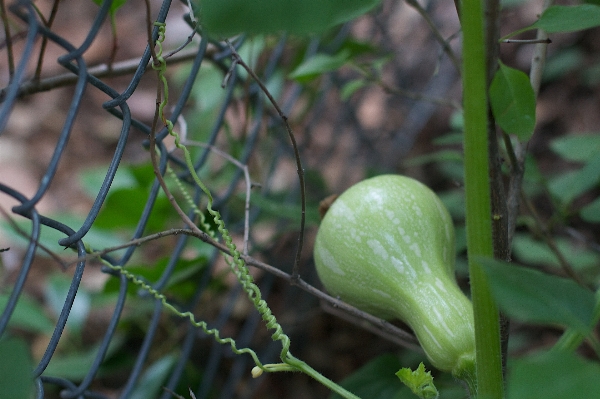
(190, 201)
(200, 324)
(236, 263)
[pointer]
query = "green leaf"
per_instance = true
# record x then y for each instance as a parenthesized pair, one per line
(123, 208)
(318, 65)
(75, 366)
(91, 179)
(553, 375)
(276, 207)
(230, 17)
(455, 202)
(419, 382)
(376, 380)
(513, 102)
(126, 199)
(351, 87)
(357, 48)
(116, 4)
(568, 186)
(56, 289)
(591, 212)
(568, 18)
(28, 315)
(15, 369)
(438, 156)
(577, 147)
(563, 62)
(530, 251)
(150, 385)
(539, 298)
(457, 121)
(450, 138)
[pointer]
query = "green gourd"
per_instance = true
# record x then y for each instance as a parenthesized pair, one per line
(387, 246)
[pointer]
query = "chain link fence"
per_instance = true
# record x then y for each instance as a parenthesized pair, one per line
(338, 145)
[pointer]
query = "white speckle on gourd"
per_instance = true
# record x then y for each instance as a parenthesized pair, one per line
(426, 267)
(398, 265)
(443, 323)
(330, 262)
(440, 286)
(375, 198)
(343, 209)
(416, 249)
(418, 211)
(404, 236)
(356, 235)
(378, 249)
(432, 337)
(383, 294)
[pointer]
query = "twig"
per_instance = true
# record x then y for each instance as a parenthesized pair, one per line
(300, 170)
(149, 26)
(38, 69)
(543, 232)
(594, 246)
(187, 41)
(445, 46)
(516, 155)
(413, 95)
(528, 41)
(416, 95)
(518, 151)
(538, 60)
(99, 71)
(360, 322)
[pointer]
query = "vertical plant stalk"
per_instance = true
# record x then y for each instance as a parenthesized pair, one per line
(502, 217)
(478, 208)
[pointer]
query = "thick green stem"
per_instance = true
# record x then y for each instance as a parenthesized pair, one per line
(477, 187)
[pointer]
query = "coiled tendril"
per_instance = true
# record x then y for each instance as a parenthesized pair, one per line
(236, 263)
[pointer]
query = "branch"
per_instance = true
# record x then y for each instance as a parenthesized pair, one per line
(445, 46)
(541, 230)
(99, 71)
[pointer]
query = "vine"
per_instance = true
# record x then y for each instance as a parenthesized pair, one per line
(200, 324)
(235, 261)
